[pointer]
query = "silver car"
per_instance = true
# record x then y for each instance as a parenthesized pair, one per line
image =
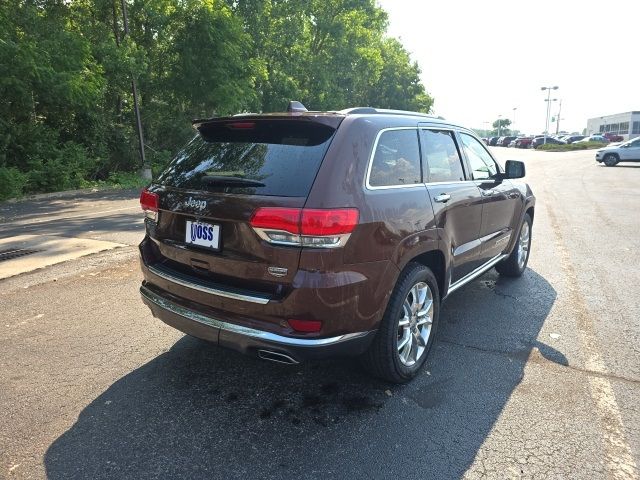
(625, 152)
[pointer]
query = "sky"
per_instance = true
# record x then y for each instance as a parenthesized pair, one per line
(482, 59)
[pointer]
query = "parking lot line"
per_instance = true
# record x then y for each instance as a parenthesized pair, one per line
(618, 457)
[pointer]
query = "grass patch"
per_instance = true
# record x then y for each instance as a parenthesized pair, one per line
(12, 183)
(570, 147)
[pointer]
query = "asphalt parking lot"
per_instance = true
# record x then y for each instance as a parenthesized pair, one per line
(535, 378)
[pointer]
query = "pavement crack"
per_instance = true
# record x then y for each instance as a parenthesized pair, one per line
(524, 354)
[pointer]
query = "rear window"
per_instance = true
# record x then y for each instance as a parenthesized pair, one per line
(251, 157)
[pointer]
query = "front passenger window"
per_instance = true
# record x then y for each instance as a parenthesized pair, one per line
(482, 165)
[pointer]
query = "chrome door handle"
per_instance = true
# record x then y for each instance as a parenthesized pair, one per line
(442, 198)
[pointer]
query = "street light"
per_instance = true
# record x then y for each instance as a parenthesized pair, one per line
(558, 118)
(548, 100)
(499, 125)
(514, 120)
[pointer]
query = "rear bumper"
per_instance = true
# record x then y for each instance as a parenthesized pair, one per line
(249, 340)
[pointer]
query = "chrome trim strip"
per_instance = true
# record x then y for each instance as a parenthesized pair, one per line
(263, 234)
(476, 273)
(202, 288)
(249, 332)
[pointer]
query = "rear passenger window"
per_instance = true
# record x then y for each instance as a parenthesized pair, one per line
(441, 154)
(396, 160)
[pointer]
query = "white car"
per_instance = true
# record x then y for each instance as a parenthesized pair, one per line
(625, 152)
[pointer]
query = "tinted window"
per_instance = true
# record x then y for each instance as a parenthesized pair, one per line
(441, 156)
(482, 165)
(251, 157)
(396, 160)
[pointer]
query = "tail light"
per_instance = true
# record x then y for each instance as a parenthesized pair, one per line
(305, 227)
(149, 204)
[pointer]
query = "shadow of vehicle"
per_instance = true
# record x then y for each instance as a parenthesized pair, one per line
(29, 209)
(200, 412)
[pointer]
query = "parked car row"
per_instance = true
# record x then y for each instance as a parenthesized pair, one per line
(537, 140)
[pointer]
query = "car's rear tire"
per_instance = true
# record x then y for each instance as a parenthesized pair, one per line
(516, 263)
(610, 160)
(408, 327)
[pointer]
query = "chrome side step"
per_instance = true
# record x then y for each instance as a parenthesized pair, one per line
(476, 273)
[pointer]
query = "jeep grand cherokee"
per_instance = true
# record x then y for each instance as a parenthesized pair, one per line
(302, 235)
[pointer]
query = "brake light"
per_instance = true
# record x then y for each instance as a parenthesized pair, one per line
(284, 219)
(323, 228)
(305, 326)
(328, 222)
(149, 203)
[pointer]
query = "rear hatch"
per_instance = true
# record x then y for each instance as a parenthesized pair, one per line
(210, 191)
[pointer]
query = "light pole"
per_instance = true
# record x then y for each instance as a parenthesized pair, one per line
(499, 125)
(558, 118)
(514, 120)
(548, 100)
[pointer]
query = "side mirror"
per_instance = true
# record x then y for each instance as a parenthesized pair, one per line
(513, 169)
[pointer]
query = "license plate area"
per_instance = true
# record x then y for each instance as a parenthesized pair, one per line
(201, 234)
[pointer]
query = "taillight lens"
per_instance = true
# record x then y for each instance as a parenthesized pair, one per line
(149, 204)
(328, 222)
(322, 228)
(284, 219)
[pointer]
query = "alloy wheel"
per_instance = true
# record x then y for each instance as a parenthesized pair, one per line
(414, 324)
(523, 245)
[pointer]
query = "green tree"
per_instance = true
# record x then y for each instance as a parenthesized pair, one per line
(501, 127)
(66, 111)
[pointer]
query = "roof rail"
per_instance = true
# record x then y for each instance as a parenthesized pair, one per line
(355, 110)
(385, 111)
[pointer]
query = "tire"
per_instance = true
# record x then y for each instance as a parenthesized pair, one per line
(515, 265)
(384, 359)
(610, 160)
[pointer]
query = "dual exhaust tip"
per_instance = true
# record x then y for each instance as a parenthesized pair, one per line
(277, 357)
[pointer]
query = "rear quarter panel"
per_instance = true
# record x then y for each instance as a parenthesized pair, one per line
(395, 225)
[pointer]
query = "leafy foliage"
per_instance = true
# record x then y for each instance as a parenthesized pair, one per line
(569, 147)
(501, 127)
(66, 112)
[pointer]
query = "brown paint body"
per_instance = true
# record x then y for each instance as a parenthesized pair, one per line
(346, 288)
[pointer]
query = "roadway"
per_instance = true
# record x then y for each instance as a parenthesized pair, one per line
(535, 377)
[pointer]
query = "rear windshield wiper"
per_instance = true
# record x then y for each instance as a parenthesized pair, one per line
(226, 181)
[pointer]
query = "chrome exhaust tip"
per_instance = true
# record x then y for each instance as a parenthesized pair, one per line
(276, 357)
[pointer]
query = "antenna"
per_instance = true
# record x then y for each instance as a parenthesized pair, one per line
(296, 107)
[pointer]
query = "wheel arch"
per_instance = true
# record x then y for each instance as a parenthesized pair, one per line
(435, 261)
(530, 210)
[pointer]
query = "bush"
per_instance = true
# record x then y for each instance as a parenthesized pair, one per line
(126, 180)
(570, 147)
(12, 182)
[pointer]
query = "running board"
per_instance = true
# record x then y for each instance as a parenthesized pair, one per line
(476, 273)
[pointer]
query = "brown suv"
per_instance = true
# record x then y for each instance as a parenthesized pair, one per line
(302, 235)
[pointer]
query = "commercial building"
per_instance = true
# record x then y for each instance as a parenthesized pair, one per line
(625, 124)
